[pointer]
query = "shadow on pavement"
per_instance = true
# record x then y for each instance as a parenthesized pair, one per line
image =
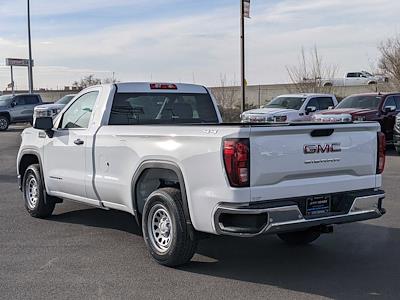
(94, 217)
(358, 264)
(357, 261)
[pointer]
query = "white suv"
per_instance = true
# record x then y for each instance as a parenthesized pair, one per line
(290, 108)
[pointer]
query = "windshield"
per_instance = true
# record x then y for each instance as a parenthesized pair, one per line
(65, 100)
(286, 102)
(4, 100)
(370, 102)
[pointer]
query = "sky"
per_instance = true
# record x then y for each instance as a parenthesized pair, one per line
(189, 40)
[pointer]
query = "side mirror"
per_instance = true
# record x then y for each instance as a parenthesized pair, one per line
(389, 109)
(43, 123)
(331, 107)
(13, 104)
(310, 109)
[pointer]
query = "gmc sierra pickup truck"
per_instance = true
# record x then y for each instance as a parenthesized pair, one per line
(161, 153)
(355, 78)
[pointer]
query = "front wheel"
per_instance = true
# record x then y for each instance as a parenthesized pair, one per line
(37, 203)
(300, 237)
(4, 123)
(170, 240)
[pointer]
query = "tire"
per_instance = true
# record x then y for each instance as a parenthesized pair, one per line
(328, 84)
(169, 239)
(4, 123)
(398, 150)
(300, 237)
(37, 202)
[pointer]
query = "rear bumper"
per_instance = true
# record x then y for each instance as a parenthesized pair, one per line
(286, 218)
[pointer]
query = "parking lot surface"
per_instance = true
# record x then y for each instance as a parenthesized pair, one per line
(82, 252)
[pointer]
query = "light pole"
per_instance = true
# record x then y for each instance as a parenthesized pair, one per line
(244, 13)
(30, 73)
(242, 57)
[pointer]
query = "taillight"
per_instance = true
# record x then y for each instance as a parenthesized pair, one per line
(237, 161)
(380, 165)
(163, 86)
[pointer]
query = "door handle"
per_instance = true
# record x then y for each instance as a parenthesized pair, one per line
(79, 142)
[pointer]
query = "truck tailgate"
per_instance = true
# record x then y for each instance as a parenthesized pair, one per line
(300, 160)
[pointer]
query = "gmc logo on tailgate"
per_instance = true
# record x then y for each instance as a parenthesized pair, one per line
(322, 148)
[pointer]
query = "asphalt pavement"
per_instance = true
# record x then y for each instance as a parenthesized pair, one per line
(87, 253)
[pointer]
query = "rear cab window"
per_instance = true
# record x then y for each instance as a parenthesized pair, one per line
(162, 108)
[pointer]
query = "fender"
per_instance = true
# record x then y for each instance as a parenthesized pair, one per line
(159, 164)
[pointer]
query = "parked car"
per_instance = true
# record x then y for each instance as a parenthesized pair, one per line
(396, 135)
(17, 109)
(355, 78)
(53, 109)
(161, 153)
(289, 108)
(378, 107)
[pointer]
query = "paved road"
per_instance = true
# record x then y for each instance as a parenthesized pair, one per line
(83, 252)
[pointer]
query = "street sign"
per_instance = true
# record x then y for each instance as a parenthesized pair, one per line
(18, 62)
(246, 8)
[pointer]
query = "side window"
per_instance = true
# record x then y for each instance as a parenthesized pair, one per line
(313, 102)
(20, 100)
(351, 75)
(390, 102)
(79, 113)
(397, 100)
(325, 103)
(31, 100)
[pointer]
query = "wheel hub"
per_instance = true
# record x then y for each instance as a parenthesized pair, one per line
(160, 228)
(32, 192)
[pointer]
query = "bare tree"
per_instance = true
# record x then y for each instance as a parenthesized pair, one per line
(86, 81)
(227, 97)
(389, 62)
(308, 75)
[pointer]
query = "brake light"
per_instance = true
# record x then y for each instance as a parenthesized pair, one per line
(380, 165)
(163, 86)
(237, 161)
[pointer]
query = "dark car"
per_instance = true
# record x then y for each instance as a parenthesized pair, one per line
(396, 135)
(17, 109)
(382, 108)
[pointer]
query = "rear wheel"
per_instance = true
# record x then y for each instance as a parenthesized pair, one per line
(170, 240)
(4, 123)
(300, 237)
(37, 202)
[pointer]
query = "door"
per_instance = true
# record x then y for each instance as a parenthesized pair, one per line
(389, 118)
(30, 102)
(64, 153)
(18, 110)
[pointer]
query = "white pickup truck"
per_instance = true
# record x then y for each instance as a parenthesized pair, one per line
(161, 153)
(355, 78)
(290, 108)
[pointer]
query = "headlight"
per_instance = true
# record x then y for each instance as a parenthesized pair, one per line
(280, 119)
(360, 118)
(253, 119)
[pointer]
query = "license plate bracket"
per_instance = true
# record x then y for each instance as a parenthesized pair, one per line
(318, 205)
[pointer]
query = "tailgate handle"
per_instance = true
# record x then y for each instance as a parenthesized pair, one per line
(322, 132)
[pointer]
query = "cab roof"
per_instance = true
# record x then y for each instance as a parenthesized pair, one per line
(158, 87)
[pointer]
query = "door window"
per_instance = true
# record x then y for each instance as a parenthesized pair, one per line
(79, 113)
(20, 100)
(313, 102)
(325, 103)
(390, 102)
(29, 100)
(397, 100)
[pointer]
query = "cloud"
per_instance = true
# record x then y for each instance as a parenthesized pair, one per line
(173, 47)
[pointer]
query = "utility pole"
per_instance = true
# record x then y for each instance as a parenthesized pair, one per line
(244, 13)
(30, 73)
